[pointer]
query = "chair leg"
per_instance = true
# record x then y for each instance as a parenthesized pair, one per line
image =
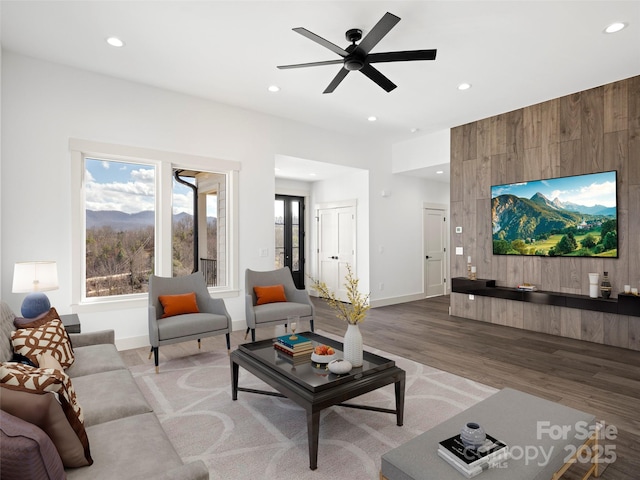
(228, 343)
(285, 328)
(199, 345)
(311, 322)
(253, 334)
(155, 357)
(150, 353)
(246, 333)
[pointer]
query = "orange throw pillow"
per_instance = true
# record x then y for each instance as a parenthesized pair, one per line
(178, 304)
(270, 294)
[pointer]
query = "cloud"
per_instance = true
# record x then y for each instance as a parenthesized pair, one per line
(132, 196)
(595, 194)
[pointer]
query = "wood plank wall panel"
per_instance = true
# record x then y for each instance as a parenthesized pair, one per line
(592, 131)
(634, 130)
(587, 132)
(616, 330)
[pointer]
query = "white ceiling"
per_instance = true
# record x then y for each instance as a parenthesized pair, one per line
(514, 53)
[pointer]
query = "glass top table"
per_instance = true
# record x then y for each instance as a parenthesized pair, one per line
(312, 386)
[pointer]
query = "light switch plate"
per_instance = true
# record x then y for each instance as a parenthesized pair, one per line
(458, 229)
(459, 251)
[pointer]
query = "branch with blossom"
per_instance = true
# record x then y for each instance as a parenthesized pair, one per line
(353, 312)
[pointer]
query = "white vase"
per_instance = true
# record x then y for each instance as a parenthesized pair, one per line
(353, 345)
(594, 279)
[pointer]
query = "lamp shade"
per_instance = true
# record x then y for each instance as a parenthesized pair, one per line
(35, 277)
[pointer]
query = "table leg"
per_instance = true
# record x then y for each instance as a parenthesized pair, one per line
(234, 380)
(313, 434)
(400, 400)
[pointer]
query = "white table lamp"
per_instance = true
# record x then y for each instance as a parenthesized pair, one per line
(35, 278)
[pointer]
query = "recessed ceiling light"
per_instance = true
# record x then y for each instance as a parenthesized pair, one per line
(274, 88)
(615, 27)
(115, 42)
(414, 130)
(372, 118)
(464, 86)
(312, 174)
(439, 172)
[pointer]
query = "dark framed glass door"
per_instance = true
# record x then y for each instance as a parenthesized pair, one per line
(289, 230)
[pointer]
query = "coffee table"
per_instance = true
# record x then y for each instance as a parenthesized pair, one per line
(314, 392)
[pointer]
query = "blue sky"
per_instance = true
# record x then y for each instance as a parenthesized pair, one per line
(588, 190)
(128, 188)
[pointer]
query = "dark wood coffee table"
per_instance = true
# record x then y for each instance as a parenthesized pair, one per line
(313, 391)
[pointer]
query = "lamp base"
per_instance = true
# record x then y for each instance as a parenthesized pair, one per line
(35, 304)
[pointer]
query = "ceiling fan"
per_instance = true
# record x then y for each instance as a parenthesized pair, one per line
(357, 56)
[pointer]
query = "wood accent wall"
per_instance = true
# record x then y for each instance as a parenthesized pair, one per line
(591, 131)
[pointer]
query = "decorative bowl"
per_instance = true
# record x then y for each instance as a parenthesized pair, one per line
(340, 366)
(322, 358)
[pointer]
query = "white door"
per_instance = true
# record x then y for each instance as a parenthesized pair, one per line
(434, 251)
(336, 247)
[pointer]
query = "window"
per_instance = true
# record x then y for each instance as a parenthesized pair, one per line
(141, 211)
(120, 206)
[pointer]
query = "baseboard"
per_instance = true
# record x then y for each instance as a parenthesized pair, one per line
(383, 302)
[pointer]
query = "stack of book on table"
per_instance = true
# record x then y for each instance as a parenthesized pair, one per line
(297, 350)
(471, 462)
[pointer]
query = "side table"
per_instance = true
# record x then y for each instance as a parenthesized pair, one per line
(71, 322)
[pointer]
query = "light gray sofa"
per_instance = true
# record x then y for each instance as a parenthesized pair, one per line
(125, 436)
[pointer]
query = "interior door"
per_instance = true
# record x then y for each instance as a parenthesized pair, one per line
(336, 247)
(289, 230)
(434, 222)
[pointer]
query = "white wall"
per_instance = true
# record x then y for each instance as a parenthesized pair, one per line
(422, 151)
(44, 104)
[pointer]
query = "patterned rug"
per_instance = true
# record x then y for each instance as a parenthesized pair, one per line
(264, 437)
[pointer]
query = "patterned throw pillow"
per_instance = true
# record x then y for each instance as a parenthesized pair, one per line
(23, 378)
(50, 337)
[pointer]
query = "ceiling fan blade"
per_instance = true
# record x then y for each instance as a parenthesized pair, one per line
(312, 64)
(378, 77)
(402, 56)
(336, 80)
(386, 23)
(325, 43)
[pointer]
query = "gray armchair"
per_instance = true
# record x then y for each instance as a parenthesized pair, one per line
(212, 319)
(298, 302)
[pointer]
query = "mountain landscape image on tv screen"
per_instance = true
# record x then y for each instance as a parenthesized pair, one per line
(559, 217)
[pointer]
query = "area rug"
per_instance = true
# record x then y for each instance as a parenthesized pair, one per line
(264, 437)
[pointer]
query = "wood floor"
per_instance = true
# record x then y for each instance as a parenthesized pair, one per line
(594, 378)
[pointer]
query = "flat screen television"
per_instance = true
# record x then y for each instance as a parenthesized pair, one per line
(567, 216)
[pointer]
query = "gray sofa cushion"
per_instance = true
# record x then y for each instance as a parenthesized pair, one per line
(128, 448)
(190, 324)
(95, 359)
(276, 311)
(108, 396)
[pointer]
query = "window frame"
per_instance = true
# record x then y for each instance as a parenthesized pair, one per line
(164, 163)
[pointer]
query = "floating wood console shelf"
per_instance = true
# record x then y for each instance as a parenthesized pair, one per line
(624, 305)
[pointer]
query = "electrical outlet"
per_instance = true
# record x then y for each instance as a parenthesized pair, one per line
(381, 286)
(264, 252)
(472, 297)
(459, 251)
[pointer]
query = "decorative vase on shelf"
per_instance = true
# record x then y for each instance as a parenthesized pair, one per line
(593, 285)
(353, 345)
(605, 286)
